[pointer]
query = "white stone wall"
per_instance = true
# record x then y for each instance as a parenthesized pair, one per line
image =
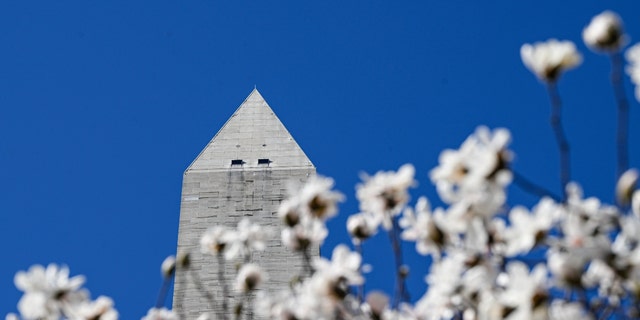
(223, 198)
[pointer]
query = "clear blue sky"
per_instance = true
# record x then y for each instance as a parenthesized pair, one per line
(103, 105)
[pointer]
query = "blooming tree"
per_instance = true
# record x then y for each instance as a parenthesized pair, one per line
(567, 257)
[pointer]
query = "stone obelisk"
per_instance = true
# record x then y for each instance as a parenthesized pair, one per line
(244, 171)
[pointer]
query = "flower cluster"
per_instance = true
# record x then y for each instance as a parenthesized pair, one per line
(229, 244)
(247, 237)
(384, 195)
(324, 295)
(49, 293)
(305, 211)
(473, 178)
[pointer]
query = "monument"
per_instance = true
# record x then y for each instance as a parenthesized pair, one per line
(242, 172)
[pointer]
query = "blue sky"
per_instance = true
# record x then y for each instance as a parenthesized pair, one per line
(103, 105)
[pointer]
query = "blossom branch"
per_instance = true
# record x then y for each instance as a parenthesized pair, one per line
(198, 283)
(162, 295)
(401, 294)
(306, 263)
(530, 187)
(225, 289)
(358, 247)
(623, 114)
(563, 145)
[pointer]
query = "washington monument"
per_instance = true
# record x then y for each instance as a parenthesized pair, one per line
(242, 172)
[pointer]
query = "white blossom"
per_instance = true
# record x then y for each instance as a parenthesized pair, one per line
(562, 310)
(627, 241)
(100, 309)
(53, 279)
(600, 274)
(38, 305)
(626, 186)
(313, 199)
(473, 178)
(205, 316)
(318, 199)
(525, 291)
(284, 305)
(344, 264)
(424, 228)
(215, 240)
(605, 32)
(362, 225)
(289, 211)
(304, 234)
(567, 266)
(635, 203)
(325, 294)
(247, 237)
(442, 300)
(633, 68)
(168, 266)
(48, 292)
(622, 266)
(587, 223)
(547, 60)
(529, 229)
(386, 193)
(312, 299)
(160, 314)
(249, 277)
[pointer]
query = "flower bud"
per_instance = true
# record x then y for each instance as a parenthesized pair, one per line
(168, 266)
(625, 186)
(604, 33)
(361, 226)
(249, 278)
(183, 260)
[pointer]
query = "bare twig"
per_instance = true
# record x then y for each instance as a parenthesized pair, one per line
(223, 282)
(401, 294)
(358, 247)
(198, 283)
(306, 262)
(162, 295)
(623, 114)
(563, 145)
(530, 187)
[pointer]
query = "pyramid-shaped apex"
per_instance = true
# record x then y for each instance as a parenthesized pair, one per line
(253, 138)
(255, 96)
